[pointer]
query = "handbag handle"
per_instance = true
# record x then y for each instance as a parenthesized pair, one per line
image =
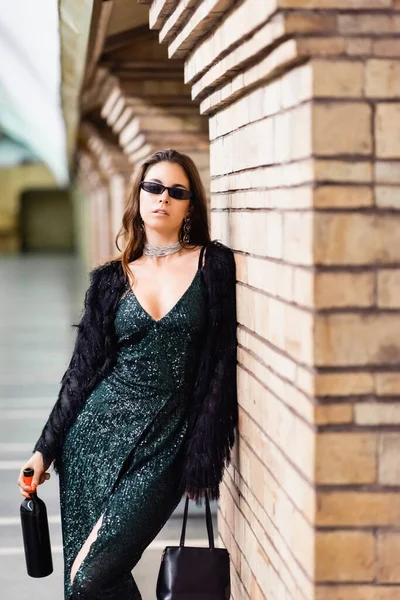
(210, 530)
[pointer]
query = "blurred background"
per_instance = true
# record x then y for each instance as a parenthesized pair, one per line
(291, 111)
(62, 190)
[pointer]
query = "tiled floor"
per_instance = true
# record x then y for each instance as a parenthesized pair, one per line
(40, 297)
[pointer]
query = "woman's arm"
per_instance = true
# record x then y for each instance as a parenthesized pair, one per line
(215, 396)
(86, 358)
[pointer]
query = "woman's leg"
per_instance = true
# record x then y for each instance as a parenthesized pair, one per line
(138, 508)
(85, 548)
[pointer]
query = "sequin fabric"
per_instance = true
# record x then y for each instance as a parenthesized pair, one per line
(122, 457)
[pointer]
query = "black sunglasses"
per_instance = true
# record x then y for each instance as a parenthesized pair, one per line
(157, 188)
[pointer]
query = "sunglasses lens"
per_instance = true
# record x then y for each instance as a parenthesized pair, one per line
(174, 192)
(152, 188)
(179, 194)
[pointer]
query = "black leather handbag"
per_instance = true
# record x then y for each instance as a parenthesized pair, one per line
(190, 573)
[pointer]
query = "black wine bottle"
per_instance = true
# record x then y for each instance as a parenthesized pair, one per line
(35, 533)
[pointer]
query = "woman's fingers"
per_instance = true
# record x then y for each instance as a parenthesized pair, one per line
(21, 482)
(44, 477)
(40, 476)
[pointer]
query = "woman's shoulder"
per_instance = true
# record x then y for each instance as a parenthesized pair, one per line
(219, 264)
(106, 272)
(217, 249)
(218, 255)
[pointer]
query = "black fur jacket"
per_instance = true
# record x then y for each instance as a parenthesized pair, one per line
(213, 412)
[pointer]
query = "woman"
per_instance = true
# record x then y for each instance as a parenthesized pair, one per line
(147, 407)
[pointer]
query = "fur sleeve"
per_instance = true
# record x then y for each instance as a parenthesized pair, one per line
(87, 357)
(215, 415)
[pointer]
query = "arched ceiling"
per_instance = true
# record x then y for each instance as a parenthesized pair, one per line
(48, 48)
(84, 26)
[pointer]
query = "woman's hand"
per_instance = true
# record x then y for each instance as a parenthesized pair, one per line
(37, 463)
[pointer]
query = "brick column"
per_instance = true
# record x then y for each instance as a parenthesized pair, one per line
(303, 101)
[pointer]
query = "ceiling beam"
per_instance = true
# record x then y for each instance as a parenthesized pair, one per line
(102, 10)
(124, 38)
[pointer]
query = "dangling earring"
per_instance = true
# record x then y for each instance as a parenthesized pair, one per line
(141, 224)
(186, 230)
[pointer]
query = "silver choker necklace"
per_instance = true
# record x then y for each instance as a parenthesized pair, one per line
(151, 250)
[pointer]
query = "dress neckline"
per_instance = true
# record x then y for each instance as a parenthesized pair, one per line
(180, 299)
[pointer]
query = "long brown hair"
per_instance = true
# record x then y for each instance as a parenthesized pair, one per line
(131, 230)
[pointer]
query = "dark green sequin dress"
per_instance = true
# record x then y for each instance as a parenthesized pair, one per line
(123, 455)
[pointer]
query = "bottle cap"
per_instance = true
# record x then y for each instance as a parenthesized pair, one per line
(28, 475)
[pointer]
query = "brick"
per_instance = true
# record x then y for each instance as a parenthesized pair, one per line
(357, 340)
(377, 413)
(300, 131)
(346, 4)
(300, 22)
(367, 23)
(303, 287)
(264, 228)
(387, 130)
(296, 86)
(389, 464)
(339, 79)
(304, 380)
(389, 288)
(345, 556)
(344, 384)
(285, 282)
(339, 239)
(298, 401)
(387, 171)
(358, 47)
(282, 138)
(388, 196)
(382, 78)
(336, 196)
(334, 131)
(333, 466)
(357, 509)
(386, 47)
(298, 334)
(342, 172)
(344, 289)
(297, 238)
(388, 546)
(321, 46)
(333, 414)
(357, 592)
(387, 384)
